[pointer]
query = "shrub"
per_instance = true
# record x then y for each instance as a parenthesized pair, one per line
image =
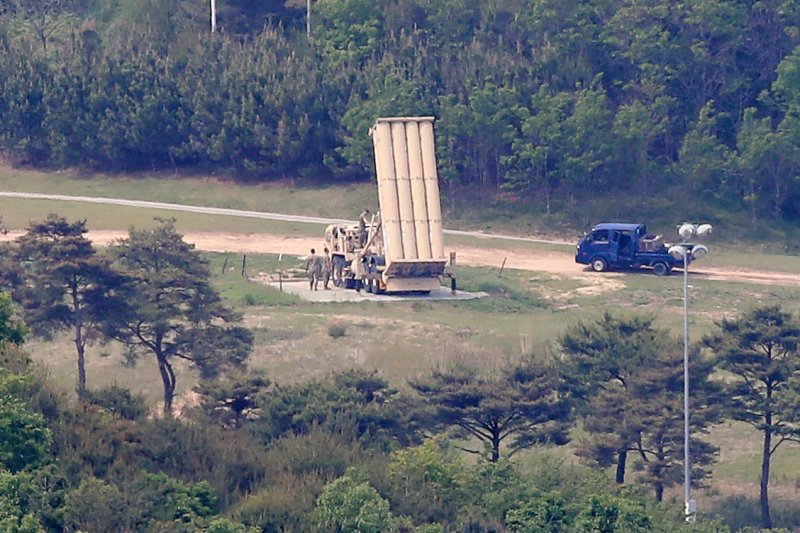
(337, 329)
(350, 504)
(118, 401)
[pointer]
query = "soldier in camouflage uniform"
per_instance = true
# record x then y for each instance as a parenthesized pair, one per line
(327, 268)
(363, 219)
(314, 265)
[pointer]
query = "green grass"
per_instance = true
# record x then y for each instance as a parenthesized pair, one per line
(241, 281)
(18, 213)
(329, 201)
(753, 259)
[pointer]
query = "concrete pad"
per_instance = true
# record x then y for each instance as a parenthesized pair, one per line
(335, 294)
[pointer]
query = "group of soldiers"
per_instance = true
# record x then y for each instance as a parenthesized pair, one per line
(319, 268)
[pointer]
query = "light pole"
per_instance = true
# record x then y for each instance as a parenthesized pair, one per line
(213, 16)
(308, 19)
(688, 252)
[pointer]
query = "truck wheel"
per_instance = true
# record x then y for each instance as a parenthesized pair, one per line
(661, 269)
(599, 264)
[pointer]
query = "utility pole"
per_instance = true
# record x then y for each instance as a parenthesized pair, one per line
(308, 19)
(213, 16)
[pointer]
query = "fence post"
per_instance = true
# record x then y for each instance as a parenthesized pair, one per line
(453, 272)
(244, 265)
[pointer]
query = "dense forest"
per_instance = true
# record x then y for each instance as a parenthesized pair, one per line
(540, 102)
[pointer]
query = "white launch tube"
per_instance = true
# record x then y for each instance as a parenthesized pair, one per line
(387, 190)
(404, 199)
(421, 226)
(432, 189)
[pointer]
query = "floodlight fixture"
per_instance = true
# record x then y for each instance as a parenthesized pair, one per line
(687, 231)
(704, 230)
(699, 251)
(678, 252)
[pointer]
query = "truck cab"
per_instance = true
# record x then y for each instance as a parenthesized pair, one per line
(624, 246)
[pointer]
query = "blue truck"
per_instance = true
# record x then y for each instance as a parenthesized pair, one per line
(624, 246)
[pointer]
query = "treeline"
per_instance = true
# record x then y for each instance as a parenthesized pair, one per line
(542, 101)
(349, 452)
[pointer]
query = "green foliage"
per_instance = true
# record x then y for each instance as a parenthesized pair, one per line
(179, 499)
(630, 374)
(65, 284)
(353, 402)
(523, 404)
(705, 160)
(172, 311)
(493, 488)
(11, 329)
(25, 440)
(232, 462)
(118, 401)
(351, 505)
(231, 399)
(299, 467)
(349, 29)
(31, 501)
(607, 514)
(151, 502)
(542, 513)
(761, 349)
(546, 103)
(94, 504)
(425, 483)
(223, 525)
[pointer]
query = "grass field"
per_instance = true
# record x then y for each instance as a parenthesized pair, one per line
(527, 311)
(335, 201)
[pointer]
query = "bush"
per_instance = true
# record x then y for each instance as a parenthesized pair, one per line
(350, 504)
(337, 329)
(118, 401)
(25, 439)
(283, 506)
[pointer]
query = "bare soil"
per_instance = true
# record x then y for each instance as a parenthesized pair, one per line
(538, 261)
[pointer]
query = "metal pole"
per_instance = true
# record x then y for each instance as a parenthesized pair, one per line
(308, 19)
(687, 490)
(213, 16)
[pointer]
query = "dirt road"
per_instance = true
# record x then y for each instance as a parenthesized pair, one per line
(550, 262)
